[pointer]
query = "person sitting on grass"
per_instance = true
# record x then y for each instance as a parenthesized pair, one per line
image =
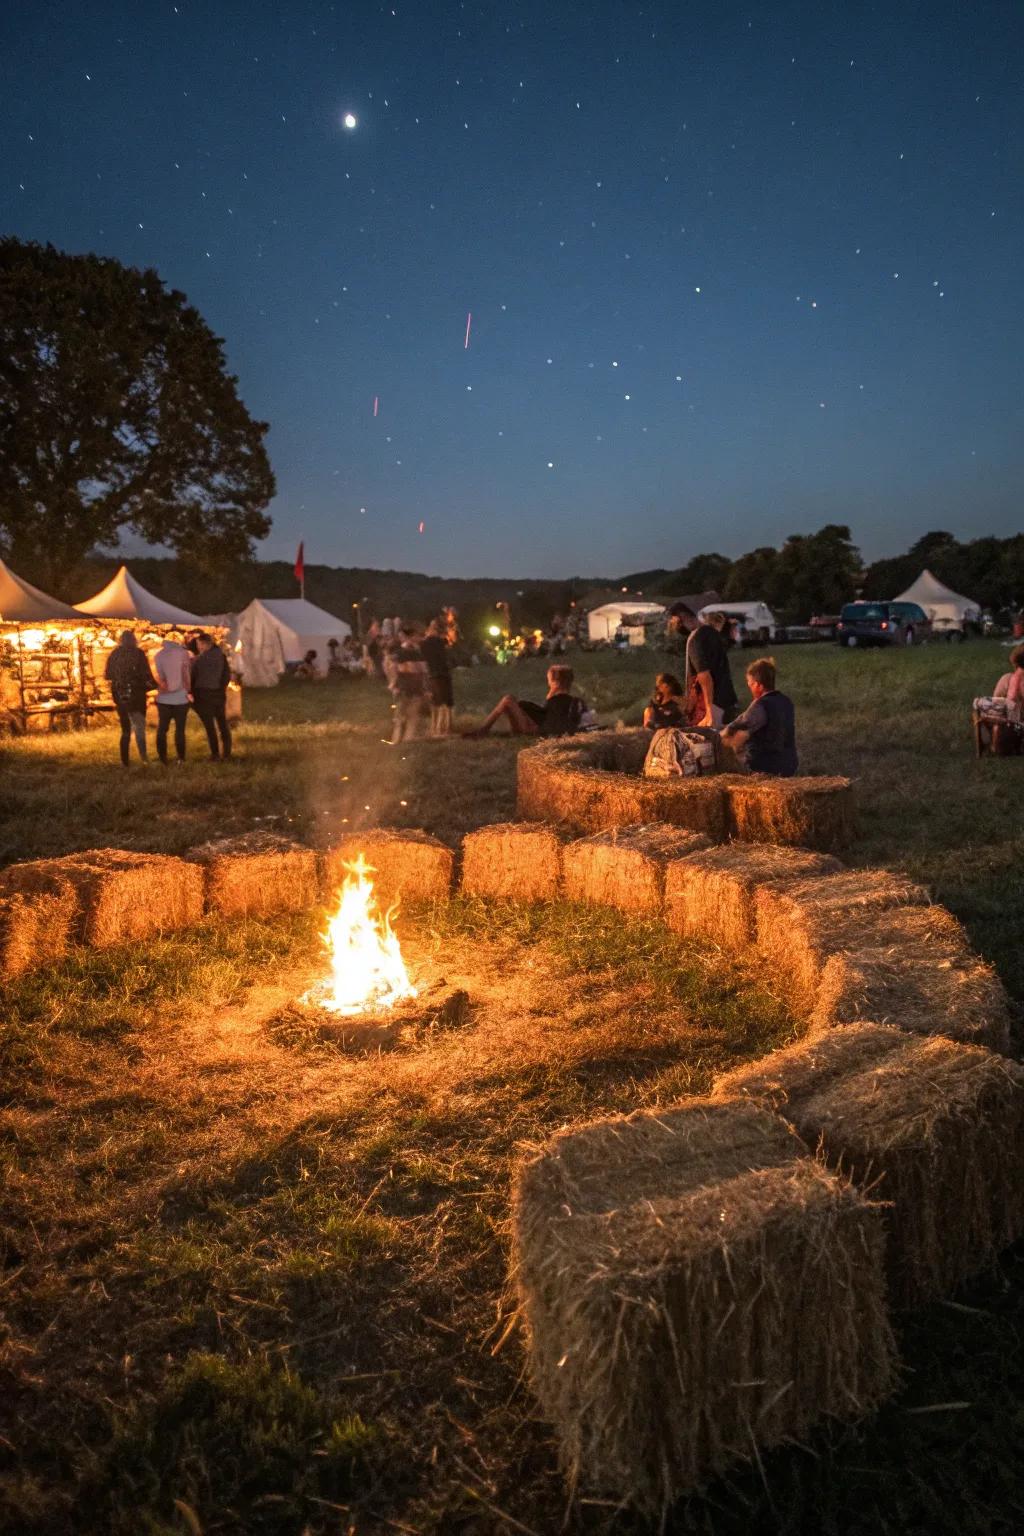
(308, 668)
(764, 736)
(668, 703)
(561, 714)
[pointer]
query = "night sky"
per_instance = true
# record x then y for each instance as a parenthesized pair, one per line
(733, 271)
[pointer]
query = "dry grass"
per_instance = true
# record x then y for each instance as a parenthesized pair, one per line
(801, 812)
(934, 1128)
(711, 896)
(628, 867)
(519, 861)
(408, 865)
(35, 929)
(695, 1288)
(256, 874)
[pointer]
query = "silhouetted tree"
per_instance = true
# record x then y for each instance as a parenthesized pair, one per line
(117, 413)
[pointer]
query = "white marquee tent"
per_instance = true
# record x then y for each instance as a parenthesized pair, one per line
(22, 603)
(633, 615)
(273, 631)
(946, 609)
(125, 598)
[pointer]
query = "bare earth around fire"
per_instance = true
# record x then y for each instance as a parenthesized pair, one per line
(253, 1276)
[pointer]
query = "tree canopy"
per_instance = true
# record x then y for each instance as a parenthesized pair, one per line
(117, 414)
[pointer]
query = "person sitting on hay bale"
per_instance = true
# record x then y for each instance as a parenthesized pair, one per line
(667, 708)
(561, 714)
(130, 677)
(764, 736)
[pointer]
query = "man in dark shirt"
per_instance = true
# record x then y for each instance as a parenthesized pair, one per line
(765, 734)
(707, 669)
(210, 677)
(434, 650)
(130, 677)
(561, 714)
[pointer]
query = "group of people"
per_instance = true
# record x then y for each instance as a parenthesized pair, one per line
(417, 669)
(186, 673)
(763, 736)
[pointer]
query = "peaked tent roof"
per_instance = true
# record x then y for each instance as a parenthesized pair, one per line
(930, 592)
(21, 603)
(301, 617)
(125, 598)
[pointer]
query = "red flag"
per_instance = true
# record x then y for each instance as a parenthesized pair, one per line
(300, 564)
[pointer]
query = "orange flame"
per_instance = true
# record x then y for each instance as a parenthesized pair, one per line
(367, 970)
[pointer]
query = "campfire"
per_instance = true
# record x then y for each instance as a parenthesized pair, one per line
(368, 974)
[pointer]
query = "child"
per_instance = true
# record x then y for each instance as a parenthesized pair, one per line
(765, 734)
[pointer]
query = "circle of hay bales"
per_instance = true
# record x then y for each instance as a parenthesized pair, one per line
(594, 783)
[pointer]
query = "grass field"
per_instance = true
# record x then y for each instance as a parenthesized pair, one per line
(253, 1282)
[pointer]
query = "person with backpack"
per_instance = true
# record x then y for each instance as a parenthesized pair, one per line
(130, 677)
(562, 713)
(764, 736)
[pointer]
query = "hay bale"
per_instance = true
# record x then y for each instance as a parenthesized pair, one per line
(711, 895)
(257, 873)
(801, 924)
(407, 866)
(577, 782)
(695, 1287)
(628, 867)
(877, 959)
(520, 861)
(808, 812)
(35, 929)
(118, 895)
(934, 1128)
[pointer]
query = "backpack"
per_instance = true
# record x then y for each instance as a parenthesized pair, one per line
(674, 753)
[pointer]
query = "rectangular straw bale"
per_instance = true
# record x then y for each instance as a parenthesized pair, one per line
(806, 812)
(628, 866)
(36, 928)
(256, 874)
(407, 865)
(517, 860)
(800, 924)
(695, 1287)
(120, 895)
(914, 967)
(934, 1127)
(711, 895)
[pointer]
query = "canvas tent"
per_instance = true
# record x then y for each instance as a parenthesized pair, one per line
(125, 598)
(948, 610)
(21, 603)
(633, 614)
(274, 631)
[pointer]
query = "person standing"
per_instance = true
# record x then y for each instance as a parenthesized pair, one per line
(765, 734)
(210, 677)
(711, 697)
(434, 650)
(410, 687)
(130, 678)
(173, 666)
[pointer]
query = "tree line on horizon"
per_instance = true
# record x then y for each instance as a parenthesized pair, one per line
(816, 573)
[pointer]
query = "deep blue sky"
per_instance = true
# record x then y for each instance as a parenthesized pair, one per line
(716, 198)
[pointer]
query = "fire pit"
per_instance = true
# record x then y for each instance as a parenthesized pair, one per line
(368, 999)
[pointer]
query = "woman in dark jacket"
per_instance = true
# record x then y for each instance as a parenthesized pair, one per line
(130, 677)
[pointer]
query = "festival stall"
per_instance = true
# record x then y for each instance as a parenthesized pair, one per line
(45, 651)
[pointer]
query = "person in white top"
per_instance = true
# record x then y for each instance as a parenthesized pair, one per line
(173, 667)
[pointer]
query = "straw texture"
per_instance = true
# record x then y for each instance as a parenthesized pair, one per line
(933, 1127)
(120, 896)
(694, 1287)
(628, 867)
(407, 866)
(711, 895)
(256, 874)
(513, 860)
(802, 812)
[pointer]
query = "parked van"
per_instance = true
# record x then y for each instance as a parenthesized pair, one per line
(883, 624)
(752, 623)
